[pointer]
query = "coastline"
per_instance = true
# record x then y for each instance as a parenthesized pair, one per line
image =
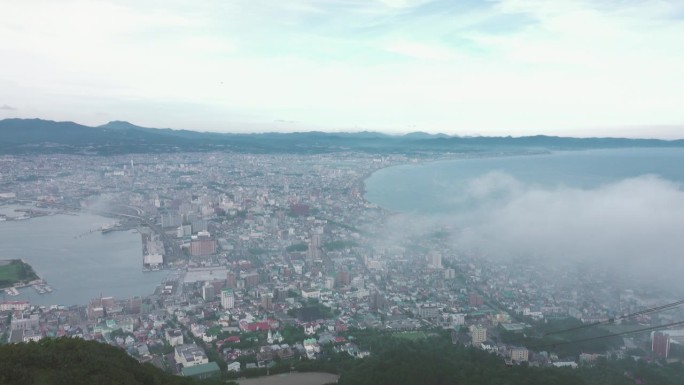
(32, 279)
(437, 159)
(77, 269)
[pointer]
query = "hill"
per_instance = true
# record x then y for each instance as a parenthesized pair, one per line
(75, 361)
(431, 359)
(33, 136)
(13, 271)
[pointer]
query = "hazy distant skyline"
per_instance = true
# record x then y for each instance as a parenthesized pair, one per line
(496, 67)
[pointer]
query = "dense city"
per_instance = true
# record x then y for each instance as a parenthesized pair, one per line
(276, 258)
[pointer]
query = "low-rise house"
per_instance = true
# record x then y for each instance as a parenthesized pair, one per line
(32, 335)
(190, 355)
(519, 354)
(174, 337)
(311, 347)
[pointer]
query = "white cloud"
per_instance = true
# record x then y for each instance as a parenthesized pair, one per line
(420, 51)
(403, 3)
(631, 228)
(341, 64)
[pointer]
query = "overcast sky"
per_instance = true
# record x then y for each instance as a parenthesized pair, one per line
(491, 67)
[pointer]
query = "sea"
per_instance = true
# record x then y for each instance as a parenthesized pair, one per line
(77, 261)
(428, 188)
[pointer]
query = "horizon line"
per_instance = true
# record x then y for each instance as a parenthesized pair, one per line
(395, 134)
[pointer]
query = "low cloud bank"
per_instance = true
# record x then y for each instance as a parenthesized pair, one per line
(633, 227)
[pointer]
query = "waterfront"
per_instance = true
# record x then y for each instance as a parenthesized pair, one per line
(77, 264)
(616, 211)
(433, 188)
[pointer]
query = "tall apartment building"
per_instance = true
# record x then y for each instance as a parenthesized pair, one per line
(227, 298)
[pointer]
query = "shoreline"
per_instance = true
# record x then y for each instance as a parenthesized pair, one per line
(439, 158)
(59, 258)
(24, 282)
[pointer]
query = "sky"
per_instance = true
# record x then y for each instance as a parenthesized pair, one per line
(489, 67)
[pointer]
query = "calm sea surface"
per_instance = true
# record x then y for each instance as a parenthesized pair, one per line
(77, 264)
(428, 188)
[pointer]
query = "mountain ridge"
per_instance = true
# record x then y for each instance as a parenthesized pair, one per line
(30, 136)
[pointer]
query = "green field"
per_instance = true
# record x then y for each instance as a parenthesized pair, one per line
(309, 378)
(15, 271)
(411, 336)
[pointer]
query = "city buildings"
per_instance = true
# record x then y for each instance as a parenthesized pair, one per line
(202, 245)
(519, 354)
(478, 335)
(245, 255)
(660, 344)
(227, 298)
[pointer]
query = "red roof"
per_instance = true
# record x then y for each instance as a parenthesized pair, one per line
(262, 325)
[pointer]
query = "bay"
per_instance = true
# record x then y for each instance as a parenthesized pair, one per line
(428, 188)
(78, 263)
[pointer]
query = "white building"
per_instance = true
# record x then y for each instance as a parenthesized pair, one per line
(190, 355)
(174, 337)
(25, 323)
(234, 367)
(14, 305)
(428, 311)
(208, 291)
(358, 283)
(478, 334)
(435, 260)
(227, 298)
(316, 294)
(565, 364)
(519, 354)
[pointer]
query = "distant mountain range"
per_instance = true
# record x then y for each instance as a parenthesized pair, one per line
(33, 136)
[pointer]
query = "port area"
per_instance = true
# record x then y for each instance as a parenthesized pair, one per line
(39, 285)
(42, 287)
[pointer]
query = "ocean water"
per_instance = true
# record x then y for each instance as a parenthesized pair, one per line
(77, 264)
(429, 188)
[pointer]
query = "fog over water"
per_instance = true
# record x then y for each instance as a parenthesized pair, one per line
(621, 210)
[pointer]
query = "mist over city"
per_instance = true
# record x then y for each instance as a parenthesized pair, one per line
(628, 228)
(296, 252)
(357, 192)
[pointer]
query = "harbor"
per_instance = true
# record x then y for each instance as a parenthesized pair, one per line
(39, 286)
(11, 291)
(42, 288)
(78, 268)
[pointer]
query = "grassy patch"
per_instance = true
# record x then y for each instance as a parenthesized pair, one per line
(15, 271)
(339, 245)
(411, 336)
(10, 272)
